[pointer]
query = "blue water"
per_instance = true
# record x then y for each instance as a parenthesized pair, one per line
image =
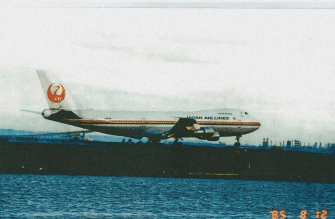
(57, 196)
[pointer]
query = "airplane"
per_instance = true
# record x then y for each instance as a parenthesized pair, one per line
(207, 125)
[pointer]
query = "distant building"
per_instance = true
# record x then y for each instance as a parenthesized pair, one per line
(265, 142)
(315, 145)
(297, 143)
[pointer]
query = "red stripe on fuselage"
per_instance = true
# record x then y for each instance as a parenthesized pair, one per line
(90, 121)
(228, 123)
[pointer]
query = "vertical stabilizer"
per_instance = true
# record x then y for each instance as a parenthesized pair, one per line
(56, 94)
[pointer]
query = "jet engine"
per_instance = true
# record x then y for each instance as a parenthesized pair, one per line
(207, 133)
(215, 136)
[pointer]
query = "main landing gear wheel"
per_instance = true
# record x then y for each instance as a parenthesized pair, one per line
(237, 143)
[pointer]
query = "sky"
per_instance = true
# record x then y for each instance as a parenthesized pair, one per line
(277, 65)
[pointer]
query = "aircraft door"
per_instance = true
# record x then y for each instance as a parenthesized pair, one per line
(240, 117)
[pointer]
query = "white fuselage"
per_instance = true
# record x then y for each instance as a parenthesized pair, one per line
(138, 124)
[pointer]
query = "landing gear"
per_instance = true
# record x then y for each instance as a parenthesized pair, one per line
(237, 143)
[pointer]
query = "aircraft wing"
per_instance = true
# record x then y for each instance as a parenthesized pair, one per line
(186, 127)
(181, 129)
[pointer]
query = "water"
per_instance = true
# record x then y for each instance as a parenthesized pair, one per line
(58, 196)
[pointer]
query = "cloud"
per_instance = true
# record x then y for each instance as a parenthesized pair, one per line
(173, 58)
(208, 41)
(174, 50)
(100, 46)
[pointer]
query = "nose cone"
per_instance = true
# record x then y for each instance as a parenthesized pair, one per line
(254, 121)
(256, 125)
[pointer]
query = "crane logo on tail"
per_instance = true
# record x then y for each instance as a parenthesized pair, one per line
(56, 93)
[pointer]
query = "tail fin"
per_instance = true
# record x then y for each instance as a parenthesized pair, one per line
(55, 93)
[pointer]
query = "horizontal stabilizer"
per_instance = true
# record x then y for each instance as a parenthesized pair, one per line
(30, 111)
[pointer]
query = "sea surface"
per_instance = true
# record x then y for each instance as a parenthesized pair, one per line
(59, 196)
